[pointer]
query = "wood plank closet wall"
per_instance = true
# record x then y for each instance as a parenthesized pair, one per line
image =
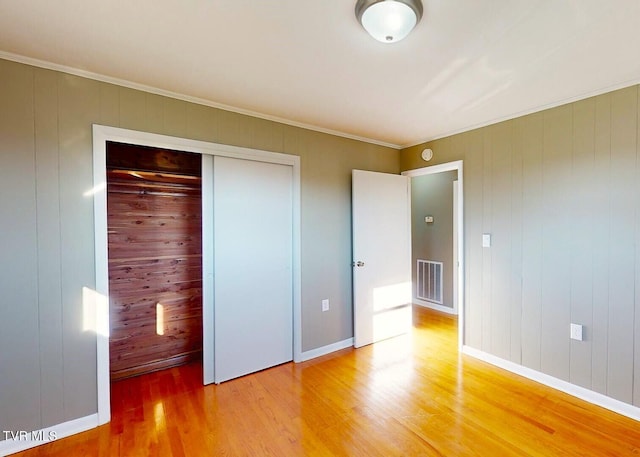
(155, 258)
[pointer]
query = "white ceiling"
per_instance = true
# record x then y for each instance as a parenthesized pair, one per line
(468, 63)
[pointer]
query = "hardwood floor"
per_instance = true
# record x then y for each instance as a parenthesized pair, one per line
(408, 396)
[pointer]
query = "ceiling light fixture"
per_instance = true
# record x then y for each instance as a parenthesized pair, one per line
(388, 21)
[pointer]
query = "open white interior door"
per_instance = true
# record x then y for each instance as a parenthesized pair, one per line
(381, 256)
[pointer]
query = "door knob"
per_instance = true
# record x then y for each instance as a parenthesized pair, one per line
(358, 264)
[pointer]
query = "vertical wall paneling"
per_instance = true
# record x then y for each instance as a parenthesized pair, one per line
(566, 196)
(325, 223)
(515, 279)
(501, 240)
(174, 120)
(326, 204)
(266, 135)
(132, 109)
(581, 238)
(622, 216)
(532, 223)
(153, 116)
(230, 129)
(487, 253)
(19, 335)
(109, 105)
(48, 226)
(79, 107)
(201, 123)
(636, 332)
(473, 196)
(325, 183)
(556, 169)
(290, 140)
(601, 236)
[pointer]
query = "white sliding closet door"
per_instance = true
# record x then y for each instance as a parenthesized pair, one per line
(253, 282)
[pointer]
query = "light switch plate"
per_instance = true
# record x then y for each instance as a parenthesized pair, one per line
(486, 240)
(325, 305)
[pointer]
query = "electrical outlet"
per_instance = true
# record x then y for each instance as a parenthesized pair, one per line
(325, 304)
(576, 332)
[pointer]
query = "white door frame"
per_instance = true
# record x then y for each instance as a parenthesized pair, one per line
(102, 134)
(452, 166)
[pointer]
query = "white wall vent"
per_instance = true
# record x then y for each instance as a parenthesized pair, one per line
(429, 281)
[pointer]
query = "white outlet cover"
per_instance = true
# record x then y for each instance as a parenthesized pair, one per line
(576, 332)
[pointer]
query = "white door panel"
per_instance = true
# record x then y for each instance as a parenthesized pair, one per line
(253, 286)
(208, 349)
(381, 255)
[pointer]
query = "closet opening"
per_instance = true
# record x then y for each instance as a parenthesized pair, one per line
(154, 235)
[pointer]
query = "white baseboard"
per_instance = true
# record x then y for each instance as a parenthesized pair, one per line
(441, 308)
(328, 349)
(590, 396)
(23, 440)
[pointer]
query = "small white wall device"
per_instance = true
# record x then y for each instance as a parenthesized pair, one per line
(486, 240)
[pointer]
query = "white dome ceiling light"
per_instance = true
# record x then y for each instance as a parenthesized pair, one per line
(389, 21)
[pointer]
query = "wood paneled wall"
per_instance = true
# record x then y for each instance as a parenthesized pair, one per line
(155, 260)
(559, 191)
(46, 178)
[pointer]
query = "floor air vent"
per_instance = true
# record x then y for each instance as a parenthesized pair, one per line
(429, 281)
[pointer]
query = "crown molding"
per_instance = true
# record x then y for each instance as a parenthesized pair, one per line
(187, 98)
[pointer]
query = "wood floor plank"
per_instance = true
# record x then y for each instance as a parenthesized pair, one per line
(408, 396)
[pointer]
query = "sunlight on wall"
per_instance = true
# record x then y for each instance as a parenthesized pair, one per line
(95, 312)
(94, 190)
(159, 319)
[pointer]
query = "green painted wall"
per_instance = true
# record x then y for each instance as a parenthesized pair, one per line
(47, 361)
(559, 191)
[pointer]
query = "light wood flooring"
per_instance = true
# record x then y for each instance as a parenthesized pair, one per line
(408, 396)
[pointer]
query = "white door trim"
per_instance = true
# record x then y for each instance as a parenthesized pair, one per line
(456, 196)
(102, 134)
(452, 166)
